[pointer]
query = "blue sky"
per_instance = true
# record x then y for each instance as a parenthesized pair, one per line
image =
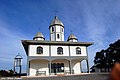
(95, 21)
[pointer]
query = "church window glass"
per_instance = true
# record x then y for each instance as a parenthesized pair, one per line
(78, 50)
(39, 50)
(52, 29)
(58, 36)
(59, 50)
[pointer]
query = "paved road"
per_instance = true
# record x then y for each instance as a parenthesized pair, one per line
(75, 77)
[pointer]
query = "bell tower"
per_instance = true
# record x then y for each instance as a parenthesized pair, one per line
(56, 30)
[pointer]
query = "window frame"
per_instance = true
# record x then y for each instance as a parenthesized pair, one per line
(62, 29)
(39, 50)
(60, 51)
(78, 50)
(52, 29)
(58, 36)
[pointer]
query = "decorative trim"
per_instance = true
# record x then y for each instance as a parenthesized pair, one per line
(56, 24)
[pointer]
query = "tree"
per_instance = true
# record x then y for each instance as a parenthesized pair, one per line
(5, 73)
(106, 58)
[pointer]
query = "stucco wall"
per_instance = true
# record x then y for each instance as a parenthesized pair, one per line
(73, 51)
(33, 49)
(76, 66)
(40, 65)
(54, 50)
(57, 30)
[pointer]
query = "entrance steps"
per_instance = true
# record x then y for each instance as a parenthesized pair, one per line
(93, 76)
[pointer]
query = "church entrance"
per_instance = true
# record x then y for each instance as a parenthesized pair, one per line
(57, 68)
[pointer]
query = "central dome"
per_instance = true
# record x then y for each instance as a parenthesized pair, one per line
(56, 21)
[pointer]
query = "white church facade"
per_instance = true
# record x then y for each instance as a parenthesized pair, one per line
(56, 56)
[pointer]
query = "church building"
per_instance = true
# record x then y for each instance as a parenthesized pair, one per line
(56, 56)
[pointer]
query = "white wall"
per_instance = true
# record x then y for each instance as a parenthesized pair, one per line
(76, 66)
(73, 40)
(57, 30)
(33, 49)
(52, 37)
(54, 50)
(73, 51)
(40, 65)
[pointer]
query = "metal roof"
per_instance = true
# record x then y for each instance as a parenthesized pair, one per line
(18, 56)
(39, 35)
(72, 36)
(56, 21)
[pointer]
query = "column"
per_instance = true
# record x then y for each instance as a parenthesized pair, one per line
(80, 67)
(87, 62)
(88, 66)
(28, 66)
(49, 67)
(20, 68)
(14, 66)
(70, 67)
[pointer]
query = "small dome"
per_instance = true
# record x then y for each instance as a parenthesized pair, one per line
(72, 37)
(56, 21)
(39, 35)
(18, 56)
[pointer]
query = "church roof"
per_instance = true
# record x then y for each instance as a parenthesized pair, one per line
(56, 21)
(39, 35)
(72, 36)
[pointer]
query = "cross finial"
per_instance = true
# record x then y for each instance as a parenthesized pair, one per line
(39, 29)
(55, 12)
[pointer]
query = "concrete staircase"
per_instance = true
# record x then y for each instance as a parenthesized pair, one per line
(96, 76)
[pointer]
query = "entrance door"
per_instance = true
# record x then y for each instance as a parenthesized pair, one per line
(57, 68)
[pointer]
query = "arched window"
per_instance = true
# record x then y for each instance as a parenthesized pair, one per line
(59, 50)
(52, 29)
(62, 29)
(58, 36)
(39, 50)
(78, 50)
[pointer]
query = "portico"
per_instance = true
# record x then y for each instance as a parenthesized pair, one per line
(54, 66)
